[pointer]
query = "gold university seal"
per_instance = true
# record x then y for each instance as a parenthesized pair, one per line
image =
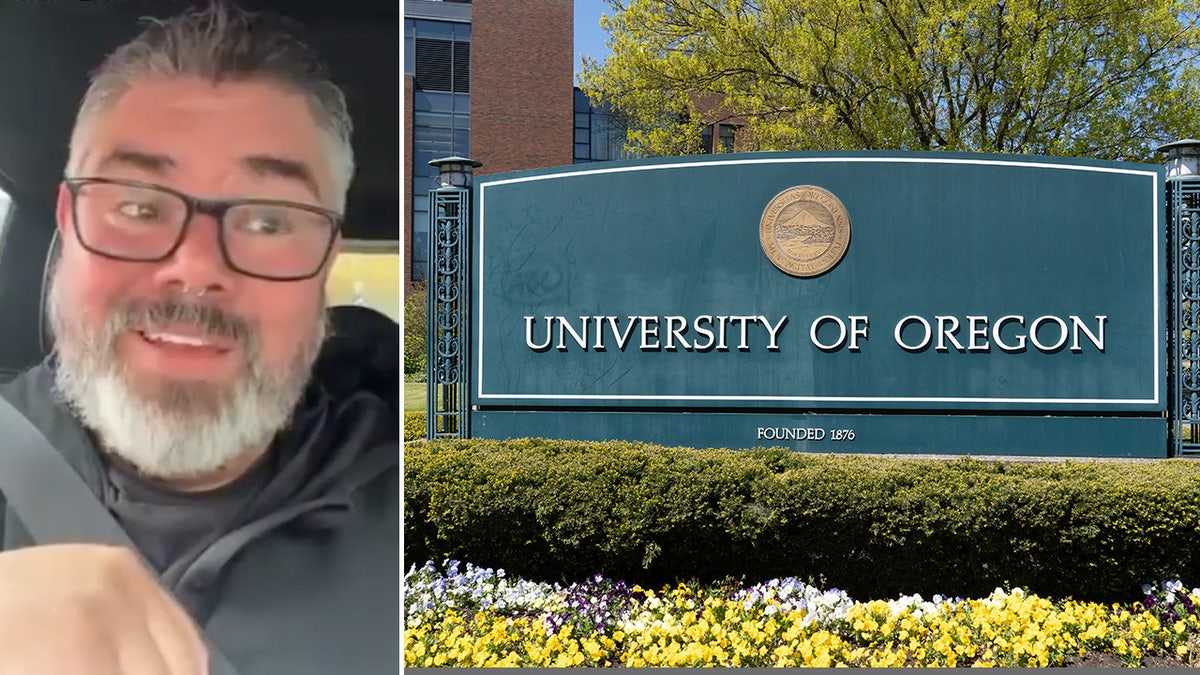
(805, 230)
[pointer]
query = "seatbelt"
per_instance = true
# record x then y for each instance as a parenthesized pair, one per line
(54, 503)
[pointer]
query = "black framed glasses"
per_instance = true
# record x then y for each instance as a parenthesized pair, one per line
(144, 222)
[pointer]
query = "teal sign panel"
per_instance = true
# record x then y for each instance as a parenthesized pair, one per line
(821, 284)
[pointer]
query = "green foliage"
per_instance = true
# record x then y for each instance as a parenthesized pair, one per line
(1098, 78)
(415, 322)
(875, 527)
(414, 426)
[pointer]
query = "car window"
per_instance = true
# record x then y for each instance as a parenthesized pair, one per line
(367, 273)
(5, 205)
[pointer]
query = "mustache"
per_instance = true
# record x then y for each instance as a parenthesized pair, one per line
(209, 319)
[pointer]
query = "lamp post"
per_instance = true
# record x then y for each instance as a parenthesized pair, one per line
(1183, 207)
(449, 284)
(457, 172)
(1183, 159)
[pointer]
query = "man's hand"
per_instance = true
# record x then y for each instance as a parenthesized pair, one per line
(76, 609)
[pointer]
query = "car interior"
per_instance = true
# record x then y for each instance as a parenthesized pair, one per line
(47, 49)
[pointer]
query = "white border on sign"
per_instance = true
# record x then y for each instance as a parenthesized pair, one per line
(484, 185)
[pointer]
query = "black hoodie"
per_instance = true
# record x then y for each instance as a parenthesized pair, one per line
(304, 578)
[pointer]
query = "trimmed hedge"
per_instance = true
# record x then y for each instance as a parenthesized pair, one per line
(414, 426)
(875, 527)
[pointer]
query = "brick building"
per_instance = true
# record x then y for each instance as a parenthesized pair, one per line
(491, 80)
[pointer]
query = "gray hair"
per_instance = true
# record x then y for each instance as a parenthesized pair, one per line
(225, 43)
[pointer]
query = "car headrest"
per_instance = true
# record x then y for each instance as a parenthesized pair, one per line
(361, 352)
(23, 241)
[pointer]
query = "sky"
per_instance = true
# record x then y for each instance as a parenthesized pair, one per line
(589, 38)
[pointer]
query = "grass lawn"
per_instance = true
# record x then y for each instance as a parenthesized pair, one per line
(414, 397)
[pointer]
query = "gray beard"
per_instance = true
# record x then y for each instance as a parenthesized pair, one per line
(178, 429)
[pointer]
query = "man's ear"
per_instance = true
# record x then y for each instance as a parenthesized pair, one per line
(63, 215)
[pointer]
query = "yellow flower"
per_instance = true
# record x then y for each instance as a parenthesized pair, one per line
(534, 653)
(593, 650)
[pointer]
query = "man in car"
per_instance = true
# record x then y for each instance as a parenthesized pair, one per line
(198, 219)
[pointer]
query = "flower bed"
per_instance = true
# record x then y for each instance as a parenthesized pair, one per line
(464, 615)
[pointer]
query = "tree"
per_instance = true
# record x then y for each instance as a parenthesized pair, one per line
(415, 322)
(1107, 79)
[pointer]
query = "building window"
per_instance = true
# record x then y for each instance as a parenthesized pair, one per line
(442, 65)
(724, 138)
(366, 273)
(438, 56)
(441, 128)
(598, 136)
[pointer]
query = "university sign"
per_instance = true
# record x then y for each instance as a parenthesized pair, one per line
(716, 332)
(849, 302)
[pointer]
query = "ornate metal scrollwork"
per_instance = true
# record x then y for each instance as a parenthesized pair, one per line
(447, 349)
(1184, 242)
